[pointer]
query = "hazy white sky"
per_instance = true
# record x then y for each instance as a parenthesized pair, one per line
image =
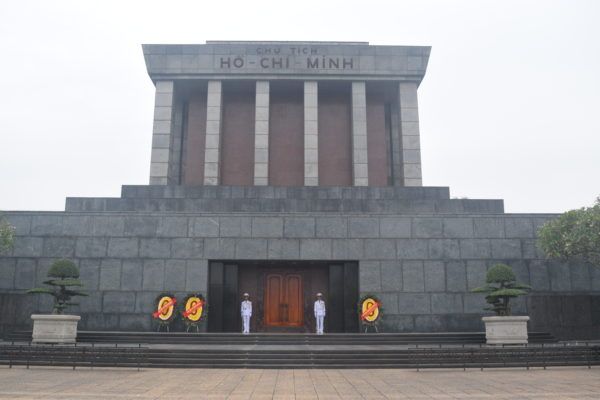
(509, 106)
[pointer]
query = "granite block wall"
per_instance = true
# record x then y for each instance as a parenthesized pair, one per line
(422, 266)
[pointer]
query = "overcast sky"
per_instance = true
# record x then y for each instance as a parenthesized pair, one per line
(509, 107)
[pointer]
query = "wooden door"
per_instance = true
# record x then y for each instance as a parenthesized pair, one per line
(273, 299)
(283, 300)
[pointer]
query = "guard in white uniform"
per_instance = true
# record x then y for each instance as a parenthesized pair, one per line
(246, 311)
(319, 313)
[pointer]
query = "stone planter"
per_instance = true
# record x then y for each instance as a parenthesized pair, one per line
(54, 328)
(506, 330)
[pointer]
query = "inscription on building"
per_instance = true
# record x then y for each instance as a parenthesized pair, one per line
(287, 58)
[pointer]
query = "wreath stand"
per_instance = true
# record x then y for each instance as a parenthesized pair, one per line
(187, 330)
(163, 324)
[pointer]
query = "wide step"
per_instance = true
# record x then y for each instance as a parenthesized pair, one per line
(473, 357)
(283, 339)
(234, 350)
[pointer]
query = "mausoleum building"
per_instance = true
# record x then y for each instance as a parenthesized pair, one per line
(283, 169)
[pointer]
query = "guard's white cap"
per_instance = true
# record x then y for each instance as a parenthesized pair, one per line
(319, 294)
(246, 294)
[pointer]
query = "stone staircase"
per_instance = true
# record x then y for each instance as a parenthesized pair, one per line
(207, 350)
(389, 339)
(182, 356)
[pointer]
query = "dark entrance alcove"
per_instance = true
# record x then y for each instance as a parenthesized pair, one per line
(282, 294)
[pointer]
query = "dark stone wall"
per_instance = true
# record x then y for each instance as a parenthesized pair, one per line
(15, 309)
(194, 141)
(335, 134)
(286, 134)
(377, 144)
(237, 136)
(570, 317)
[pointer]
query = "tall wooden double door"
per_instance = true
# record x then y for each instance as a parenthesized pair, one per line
(282, 294)
(283, 303)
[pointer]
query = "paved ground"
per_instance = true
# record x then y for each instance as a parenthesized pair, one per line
(87, 384)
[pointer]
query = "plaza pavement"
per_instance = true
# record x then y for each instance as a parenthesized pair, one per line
(237, 384)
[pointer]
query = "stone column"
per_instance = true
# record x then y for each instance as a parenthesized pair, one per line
(261, 134)
(396, 147)
(409, 132)
(213, 133)
(311, 134)
(174, 177)
(360, 164)
(162, 133)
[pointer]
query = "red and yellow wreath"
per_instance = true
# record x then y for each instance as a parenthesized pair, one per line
(165, 308)
(370, 310)
(194, 308)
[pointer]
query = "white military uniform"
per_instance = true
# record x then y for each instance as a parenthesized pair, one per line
(246, 314)
(319, 315)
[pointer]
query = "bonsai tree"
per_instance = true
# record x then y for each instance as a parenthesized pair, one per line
(575, 235)
(501, 286)
(64, 279)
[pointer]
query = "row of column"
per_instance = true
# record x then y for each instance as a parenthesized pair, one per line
(405, 143)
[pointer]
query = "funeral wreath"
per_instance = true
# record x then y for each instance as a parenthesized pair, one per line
(165, 310)
(370, 311)
(194, 310)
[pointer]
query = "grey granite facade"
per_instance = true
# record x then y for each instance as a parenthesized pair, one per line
(421, 260)
(416, 248)
(285, 60)
(174, 68)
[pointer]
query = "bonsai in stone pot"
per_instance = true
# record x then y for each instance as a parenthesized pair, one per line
(63, 285)
(501, 286)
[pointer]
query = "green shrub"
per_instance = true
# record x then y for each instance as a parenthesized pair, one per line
(501, 286)
(7, 235)
(63, 269)
(575, 235)
(64, 280)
